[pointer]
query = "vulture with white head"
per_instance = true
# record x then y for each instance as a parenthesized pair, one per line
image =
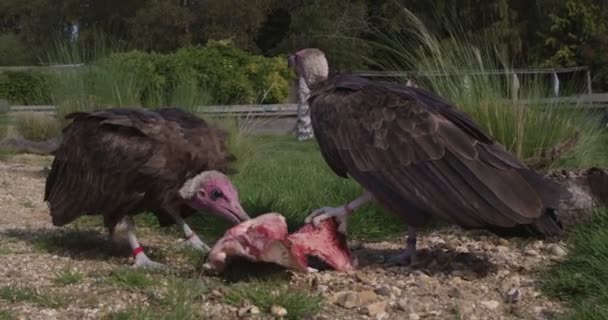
(121, 162)
(420, 157)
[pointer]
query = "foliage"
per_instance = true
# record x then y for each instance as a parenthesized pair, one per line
(581, 280)
(23, 87)
(571, 23)
(36, 126)
(13, 51)
(527, 129)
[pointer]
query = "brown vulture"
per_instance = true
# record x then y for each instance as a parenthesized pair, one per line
(120, 162)
(420, 157)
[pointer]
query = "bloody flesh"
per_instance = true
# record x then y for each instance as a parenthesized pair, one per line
(265, 239)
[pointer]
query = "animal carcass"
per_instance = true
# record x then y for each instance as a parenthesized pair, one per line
(266, 239)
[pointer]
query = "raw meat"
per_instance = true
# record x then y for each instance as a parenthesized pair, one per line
(265, 238)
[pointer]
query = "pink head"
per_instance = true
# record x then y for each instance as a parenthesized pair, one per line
(212, 191)
(310, 64)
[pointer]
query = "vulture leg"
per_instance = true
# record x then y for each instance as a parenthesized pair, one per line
(409, 253)
(194, 240)
(339, 213)
(141, 259)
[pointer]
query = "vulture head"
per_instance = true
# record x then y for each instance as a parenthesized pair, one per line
(213, 192)
(310, 64)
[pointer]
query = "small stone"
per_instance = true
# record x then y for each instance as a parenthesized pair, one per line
(403, 304)
(377, 308)
(513, 295)
(491, 304)
(216, 293)
(322, 288)
(455, 293)
(383, 291)
(362, 277)
(557, 250)
(367, 296)
(254, 310)
(347, 299)
(531, 253)
(501, 249)
(397, 291)
(413, 316)
(503, 242)
(278, 311)
(242, 311)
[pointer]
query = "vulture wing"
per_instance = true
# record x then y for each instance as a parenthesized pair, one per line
(420, 156)
(110, 161)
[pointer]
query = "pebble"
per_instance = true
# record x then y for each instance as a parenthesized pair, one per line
(347, 299)
(383, 291)
(254, 310)
(403, 304)
(377, 308)
(454, 293)
(278, 311)
(513, 295)
(557, 250)
(413, 316)
(532, 253)
(367, 296)
(491, 304)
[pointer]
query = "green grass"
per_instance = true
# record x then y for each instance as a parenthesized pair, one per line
(298, 302)
(4, 121)
(36, 126)
(582, 281)
(131, 279)
(6, 315)
(17, 293)
(68, 276)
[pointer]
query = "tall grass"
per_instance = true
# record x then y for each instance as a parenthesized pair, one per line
(36, 126)
(454, 67)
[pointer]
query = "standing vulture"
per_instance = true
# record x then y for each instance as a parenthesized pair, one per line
(121, 162)
(420, 157)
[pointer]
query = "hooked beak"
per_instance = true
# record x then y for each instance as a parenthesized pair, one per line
(235, 213)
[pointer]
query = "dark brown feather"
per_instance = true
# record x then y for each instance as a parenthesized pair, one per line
(124, 161)
(422, 157)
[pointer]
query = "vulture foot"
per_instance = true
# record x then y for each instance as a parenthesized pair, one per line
(197, 244)
(317, 216)
(409, 254)
(142, 261)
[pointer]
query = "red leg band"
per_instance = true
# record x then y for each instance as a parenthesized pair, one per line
(137, 251)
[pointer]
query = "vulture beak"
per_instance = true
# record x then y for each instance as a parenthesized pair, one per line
(235, 212)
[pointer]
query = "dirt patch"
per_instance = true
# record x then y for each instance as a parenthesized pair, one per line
(70, 272)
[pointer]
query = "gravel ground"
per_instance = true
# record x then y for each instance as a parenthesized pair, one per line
(459, 275)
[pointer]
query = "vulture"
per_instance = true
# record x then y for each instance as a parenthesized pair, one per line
(120, 162)
(418, 156)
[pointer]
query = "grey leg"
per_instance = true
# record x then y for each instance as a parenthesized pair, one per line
(409, 253)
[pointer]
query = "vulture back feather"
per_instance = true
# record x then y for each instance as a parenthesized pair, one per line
(122, 161)
(422, 157)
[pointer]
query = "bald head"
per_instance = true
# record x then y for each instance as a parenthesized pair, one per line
(310, 64)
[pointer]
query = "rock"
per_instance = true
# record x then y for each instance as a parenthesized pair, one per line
(216, 293)
(383, 291)
(362, 277)
(531, 253)
(254, 310)
(413, 316)
(397, 291)
(367, 296)
(501, 249)
(503, 242)
(557, 250)
(242, 311)
(278, 311)
(490, 304)
(377, 308)
(347, 299)
(513, 295)
(454, 293)
(322, 288)
(403, 304)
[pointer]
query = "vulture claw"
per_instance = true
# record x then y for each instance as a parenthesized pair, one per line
(317, 216)
(197, 244)
(142, 261)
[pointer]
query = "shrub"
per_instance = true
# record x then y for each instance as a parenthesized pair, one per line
(13, 51)
(36, 126)
(24, 87)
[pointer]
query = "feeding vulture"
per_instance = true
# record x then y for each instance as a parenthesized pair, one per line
(120, 162)
(420, 157)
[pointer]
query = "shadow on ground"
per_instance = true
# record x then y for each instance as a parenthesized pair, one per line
(75, 244)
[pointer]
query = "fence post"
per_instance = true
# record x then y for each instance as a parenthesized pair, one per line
(514, 86)
(589, 90)
(555, 81)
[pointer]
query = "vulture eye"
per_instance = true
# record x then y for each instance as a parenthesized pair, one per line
(216, 194)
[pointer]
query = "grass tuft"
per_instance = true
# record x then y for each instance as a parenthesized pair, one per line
(36, 126)
(131, 279)
(7, 315)
(18, 293)
(263, 294)
(581, 280)
(68, 276)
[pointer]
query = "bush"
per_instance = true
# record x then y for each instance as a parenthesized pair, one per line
(24, 88)
(13, 51)
(36, 126)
